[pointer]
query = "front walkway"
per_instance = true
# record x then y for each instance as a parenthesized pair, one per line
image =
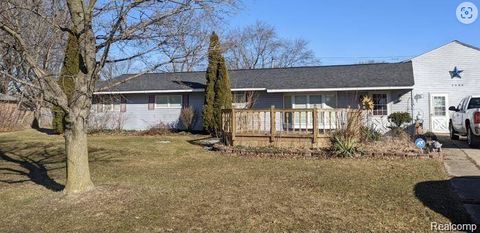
(463, 166)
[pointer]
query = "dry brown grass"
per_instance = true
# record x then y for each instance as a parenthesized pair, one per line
(145, 184)
(399, 142)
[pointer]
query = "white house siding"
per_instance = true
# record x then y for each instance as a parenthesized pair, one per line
(398, 101)
(431, 72)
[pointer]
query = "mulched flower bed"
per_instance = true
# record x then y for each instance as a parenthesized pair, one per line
(275, 152)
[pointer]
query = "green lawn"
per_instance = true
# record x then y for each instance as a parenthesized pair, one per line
(147, 185)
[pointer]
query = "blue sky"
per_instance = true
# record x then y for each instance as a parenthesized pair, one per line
(349, 31)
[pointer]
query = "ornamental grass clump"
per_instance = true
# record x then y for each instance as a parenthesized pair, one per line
(344, 146)
(345, 141)
(370, 134)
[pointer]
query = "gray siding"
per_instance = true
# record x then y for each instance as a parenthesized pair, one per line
(138, 117)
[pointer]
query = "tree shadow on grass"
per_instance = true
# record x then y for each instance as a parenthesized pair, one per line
(439, 197)
(32, 162)
(28, 164)
(46, 131)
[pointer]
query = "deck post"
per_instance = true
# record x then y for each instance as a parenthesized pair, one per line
(315, 124)
(272, 123)
(233, 123)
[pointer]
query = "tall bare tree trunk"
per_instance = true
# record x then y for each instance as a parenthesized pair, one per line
(78, 172)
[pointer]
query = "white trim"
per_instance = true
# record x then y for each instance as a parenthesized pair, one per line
(339, 89)
(150, 91)
(249, 89)
(260, 89)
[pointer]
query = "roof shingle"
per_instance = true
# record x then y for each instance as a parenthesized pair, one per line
(313, 77)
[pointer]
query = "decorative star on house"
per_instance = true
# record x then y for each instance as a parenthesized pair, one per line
(455, 73)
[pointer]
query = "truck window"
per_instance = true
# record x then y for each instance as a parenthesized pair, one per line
(474, 103)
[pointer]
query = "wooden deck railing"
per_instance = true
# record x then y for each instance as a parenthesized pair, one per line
(283, 123)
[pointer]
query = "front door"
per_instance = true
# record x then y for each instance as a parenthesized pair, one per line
(439, 113)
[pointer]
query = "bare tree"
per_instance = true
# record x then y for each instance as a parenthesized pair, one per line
(259, 46)
(15, 70)
(107, 32)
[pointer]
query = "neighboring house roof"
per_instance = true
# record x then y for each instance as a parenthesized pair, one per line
(7, 98)
(313, 78)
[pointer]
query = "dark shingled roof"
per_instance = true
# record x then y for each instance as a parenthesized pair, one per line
(337, 76)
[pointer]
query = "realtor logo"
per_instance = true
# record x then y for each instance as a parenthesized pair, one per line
(455, 73)
(467, 12)
(420, 143)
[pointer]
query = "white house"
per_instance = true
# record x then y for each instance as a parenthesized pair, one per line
(443, 77)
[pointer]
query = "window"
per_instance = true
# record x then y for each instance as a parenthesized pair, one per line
(108, 104)
(439, 106)
(300, 101)
(287, 101)
(168, 101)
(315, 101)
(304, 119)
(474, 103)
(239, 99)
(380, 106)
(328, 100)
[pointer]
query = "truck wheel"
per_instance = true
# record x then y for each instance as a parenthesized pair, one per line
(453, 136)
(472, 139)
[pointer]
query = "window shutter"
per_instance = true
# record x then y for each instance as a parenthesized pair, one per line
(185, 101)
(123, 104)
(151, 102)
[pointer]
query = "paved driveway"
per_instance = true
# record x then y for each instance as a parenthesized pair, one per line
(463, 165)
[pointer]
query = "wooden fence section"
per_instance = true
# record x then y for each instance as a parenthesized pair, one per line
(12, 117)
(283, 127)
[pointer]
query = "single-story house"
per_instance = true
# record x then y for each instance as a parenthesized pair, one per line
(424, 86)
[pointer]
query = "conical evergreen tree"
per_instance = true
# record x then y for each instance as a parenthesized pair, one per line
(211, 76)
(71, 67)
(223, 94)
(217, 92)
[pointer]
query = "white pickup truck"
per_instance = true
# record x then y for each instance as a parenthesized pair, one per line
(465, 120)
